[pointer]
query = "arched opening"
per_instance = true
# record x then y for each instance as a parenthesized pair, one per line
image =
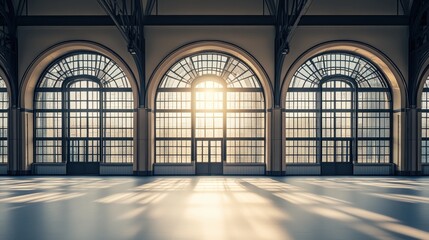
(338, 112)
(4, 107)
(209, 113)
(424, 159)
(83, 113)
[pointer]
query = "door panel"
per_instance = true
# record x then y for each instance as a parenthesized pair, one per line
(337, 128)
(209, 157)
(83, 121)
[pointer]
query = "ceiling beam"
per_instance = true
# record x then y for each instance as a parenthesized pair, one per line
(233, 20)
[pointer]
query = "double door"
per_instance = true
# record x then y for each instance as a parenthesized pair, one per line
(83, 120)
(209, 157)
(337, 157)
(338, 126)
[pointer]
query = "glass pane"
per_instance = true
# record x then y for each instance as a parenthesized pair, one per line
(352, 109)
(98, 104)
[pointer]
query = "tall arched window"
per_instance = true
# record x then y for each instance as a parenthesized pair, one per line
(210, 108)
(425, 123)
(338, 110)
(84, 111)
(4, 106)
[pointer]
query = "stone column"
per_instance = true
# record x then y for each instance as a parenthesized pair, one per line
(399, 141)
(412, 144)
(142, 165)
(20, 141)
(275, 164)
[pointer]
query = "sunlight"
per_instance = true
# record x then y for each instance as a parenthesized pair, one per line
(209, 95)
(403, 198)
(405, 230)
(41, 197)
(332, 214)
(358, 212)
(132, 214)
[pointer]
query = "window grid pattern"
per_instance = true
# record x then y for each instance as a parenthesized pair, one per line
(363, 72)
(335, 103)
(209, 151)
(234, 112)
(236, 73)
(95, 65)
(92, 96)
(4, 106)
(425, 123)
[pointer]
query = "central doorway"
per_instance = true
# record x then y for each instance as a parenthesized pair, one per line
(337, 127)
(209, 157)
(83, 101)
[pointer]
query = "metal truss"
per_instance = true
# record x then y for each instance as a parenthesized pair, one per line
(9, 42)
(418, 45)
(128, 18)
(287, 13)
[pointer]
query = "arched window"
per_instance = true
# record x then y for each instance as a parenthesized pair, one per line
(83, 111)
(210, 108)
(338, 110)
(425, 123)
(4, 106)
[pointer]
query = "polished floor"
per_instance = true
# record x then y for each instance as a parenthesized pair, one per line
(213, 208)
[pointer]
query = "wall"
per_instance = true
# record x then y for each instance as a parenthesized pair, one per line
(391, 41)
(34, 40)
(218, 7)
(258, 41)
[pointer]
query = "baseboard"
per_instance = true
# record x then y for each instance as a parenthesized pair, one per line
(142, 173)
(19, 173)
(275, 173)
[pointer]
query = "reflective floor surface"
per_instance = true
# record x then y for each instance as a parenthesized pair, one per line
(213, 208)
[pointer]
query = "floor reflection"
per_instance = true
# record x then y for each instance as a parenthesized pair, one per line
(214, 208)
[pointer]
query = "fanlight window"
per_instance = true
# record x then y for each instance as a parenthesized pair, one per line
(425, 123)
(210, 96)
(4, 106)
(84, 111)
(338, 109)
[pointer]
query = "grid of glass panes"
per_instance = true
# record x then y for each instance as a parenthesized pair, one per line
(209, 110)
(110, 106)
(84, 150)
(245, 125)
(173, 151)
(48, 125)
(346, 65)
(425, 123)
(374, 126)
(118, 125)
(209, 151)
(245, 151)
(301, 126)
(83, 109)
(244, 110)
(173, 127)
(48, 135)
(374, 109)
(337, 110)
(4, 106)
(336, 151)
(236, 73)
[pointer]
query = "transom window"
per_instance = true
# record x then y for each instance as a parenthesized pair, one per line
(214, 96)
(84, 111)
(338, 109)
(4, 106)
